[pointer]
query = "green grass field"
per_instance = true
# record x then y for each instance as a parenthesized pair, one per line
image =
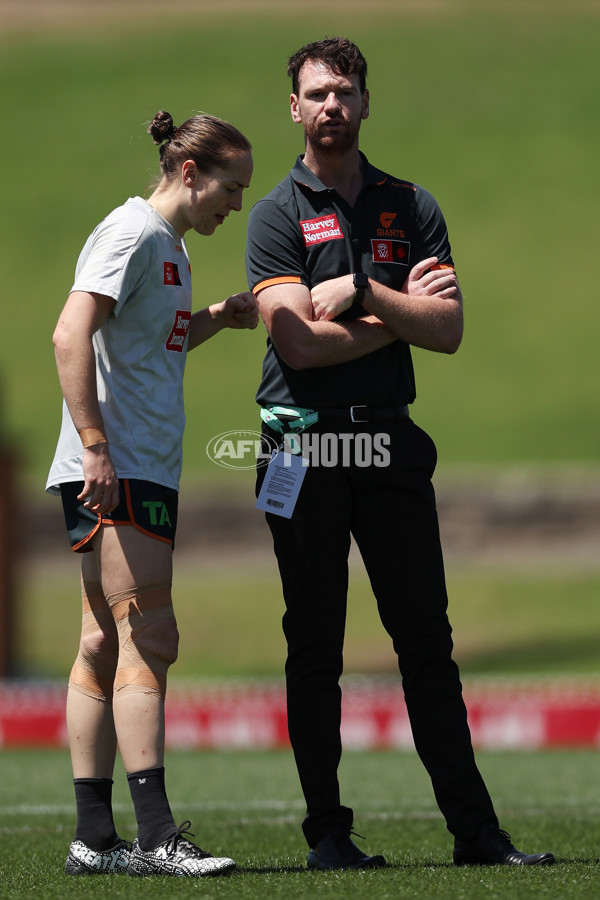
(488, 104)
(247, 805)
(491, 105)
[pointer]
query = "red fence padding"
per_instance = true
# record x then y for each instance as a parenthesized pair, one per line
(502, 714)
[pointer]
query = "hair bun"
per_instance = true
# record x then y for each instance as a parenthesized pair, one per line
(161, 127)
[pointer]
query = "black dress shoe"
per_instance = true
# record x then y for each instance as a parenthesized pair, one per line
(338, 851)
(493, 847)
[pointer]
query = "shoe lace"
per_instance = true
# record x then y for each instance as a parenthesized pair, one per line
(342, 838)
(171, 845)
(501, 838)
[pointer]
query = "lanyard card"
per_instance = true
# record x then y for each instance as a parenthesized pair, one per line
(280, 489)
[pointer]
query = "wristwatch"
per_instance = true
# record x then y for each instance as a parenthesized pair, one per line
(361, 283)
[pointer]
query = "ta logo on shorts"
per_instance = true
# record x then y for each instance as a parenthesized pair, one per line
(157, 512)
(241, 449)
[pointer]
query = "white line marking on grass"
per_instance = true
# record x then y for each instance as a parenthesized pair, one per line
(286, 810)
(28, 809)
(59, 809)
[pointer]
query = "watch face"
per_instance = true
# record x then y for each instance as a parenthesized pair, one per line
(361, 280)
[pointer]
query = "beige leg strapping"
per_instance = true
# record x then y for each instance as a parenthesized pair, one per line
(93, 672)
(148, 638)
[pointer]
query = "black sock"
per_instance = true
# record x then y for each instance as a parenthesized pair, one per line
(95, 825)
(154, 818)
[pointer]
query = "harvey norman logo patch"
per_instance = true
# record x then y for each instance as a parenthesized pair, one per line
(316, 231)
(179, 330)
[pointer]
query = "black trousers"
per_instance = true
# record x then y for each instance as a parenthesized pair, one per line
(391, 513)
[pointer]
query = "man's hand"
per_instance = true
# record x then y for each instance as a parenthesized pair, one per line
(437, 283)
(101, 487)
(330, 298)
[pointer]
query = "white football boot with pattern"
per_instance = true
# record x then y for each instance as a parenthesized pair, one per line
(177, 856)
(82, 860)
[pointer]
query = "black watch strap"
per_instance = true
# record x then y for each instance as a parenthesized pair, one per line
(361, 283)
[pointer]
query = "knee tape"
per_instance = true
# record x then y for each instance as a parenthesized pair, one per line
(93, 672)
(148, 638)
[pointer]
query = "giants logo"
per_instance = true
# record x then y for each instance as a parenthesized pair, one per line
(397, 252)
(179, 331)
(386, 231)
(316, 231)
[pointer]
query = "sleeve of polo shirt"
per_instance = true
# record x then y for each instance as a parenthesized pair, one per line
(118, 262)
(275, 252)
(432, 231)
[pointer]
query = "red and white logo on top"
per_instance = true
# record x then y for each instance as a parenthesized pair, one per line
(385, 251)
(179, 331)
(325, 228)
(171, 274)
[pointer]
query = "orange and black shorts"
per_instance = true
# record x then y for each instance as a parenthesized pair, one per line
(149, 507)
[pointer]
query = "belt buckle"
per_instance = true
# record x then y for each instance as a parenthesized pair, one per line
(353, 415)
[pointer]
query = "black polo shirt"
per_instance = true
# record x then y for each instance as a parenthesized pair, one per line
(304, 232)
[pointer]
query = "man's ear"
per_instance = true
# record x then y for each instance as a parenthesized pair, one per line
(365, 106)
(294, 109)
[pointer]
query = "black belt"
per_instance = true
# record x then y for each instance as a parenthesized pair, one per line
(363, 413)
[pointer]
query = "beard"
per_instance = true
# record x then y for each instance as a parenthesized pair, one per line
(332, 143)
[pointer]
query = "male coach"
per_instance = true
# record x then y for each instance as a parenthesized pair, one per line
(350, 267)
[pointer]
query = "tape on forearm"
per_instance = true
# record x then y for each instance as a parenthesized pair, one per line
(91, 436)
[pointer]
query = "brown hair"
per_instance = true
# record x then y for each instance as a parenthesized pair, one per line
(337, 53)
(208, 141)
